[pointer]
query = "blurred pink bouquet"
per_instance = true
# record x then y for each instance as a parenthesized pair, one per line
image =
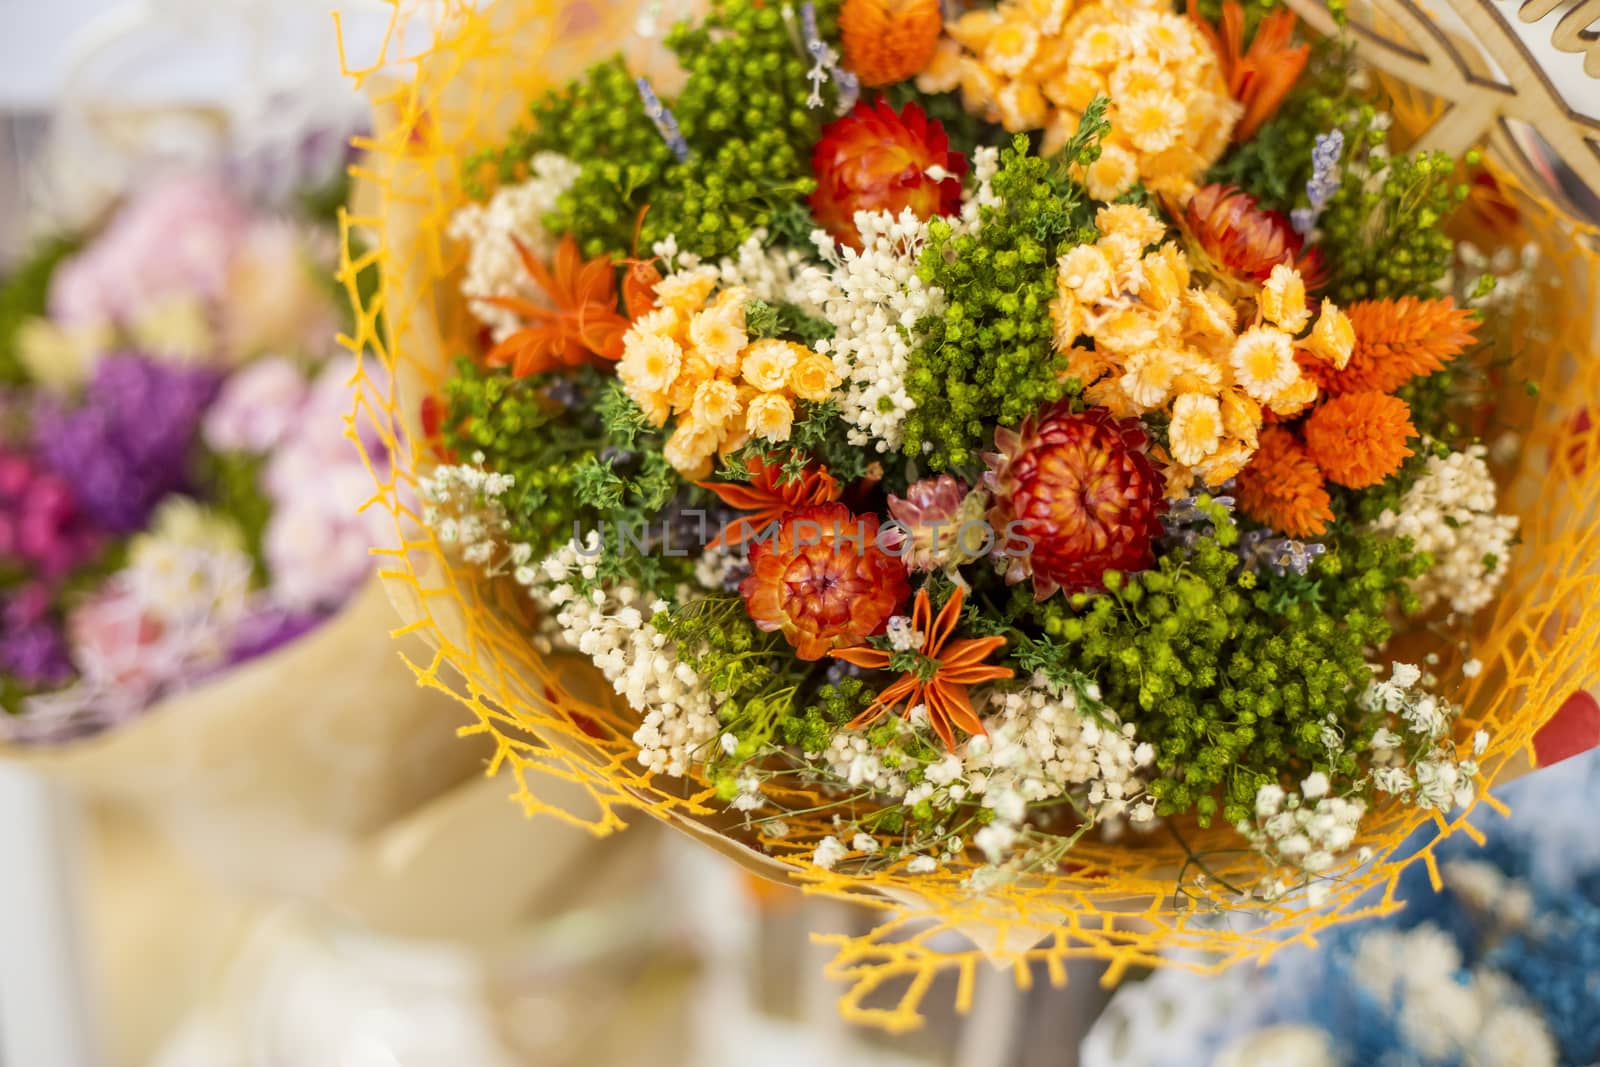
(177, 492)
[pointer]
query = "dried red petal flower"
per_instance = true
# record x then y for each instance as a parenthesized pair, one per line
(1237, 242)
(823, 580)
(876, 160)
(1082, 489)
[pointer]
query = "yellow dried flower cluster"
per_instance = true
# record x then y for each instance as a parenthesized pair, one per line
(691, 359)
(1162, 344)
(1036, 64)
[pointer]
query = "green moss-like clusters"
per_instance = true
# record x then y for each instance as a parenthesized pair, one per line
(1234, 683)
(522, 431)
(745, 122)
(232, 482)
(23, 296)
(581, 457)
(1384, 236)
(990, 355)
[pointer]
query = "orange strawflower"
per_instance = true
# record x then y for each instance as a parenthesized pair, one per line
(1262, 75)
(944, 670)
(1396, 341)
(877, 159)
(1359, 439)
(822, 581)
(584, 324)
(888, 41)
(1282, 487)
(768, 497)
(1236, 242)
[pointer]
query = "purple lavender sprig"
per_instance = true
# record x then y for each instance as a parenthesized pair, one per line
(666, 124)
(1280, 555)
(1325, 181)
(825, 62)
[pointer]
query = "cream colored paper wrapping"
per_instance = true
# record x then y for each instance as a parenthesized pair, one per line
(274, 774)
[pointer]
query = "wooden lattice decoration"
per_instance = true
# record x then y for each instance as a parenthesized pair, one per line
(1475, 61)
(553, 721)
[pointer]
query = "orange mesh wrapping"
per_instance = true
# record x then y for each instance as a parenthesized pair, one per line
(1120, 902)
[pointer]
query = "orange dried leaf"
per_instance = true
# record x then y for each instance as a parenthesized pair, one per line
(581, 326)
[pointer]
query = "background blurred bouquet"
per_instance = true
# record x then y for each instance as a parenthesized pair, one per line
(177, 493)
(1499, 967)
(190, 625)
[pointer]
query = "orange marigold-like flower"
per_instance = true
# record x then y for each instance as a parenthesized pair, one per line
(887, 41)
(875, 159)
(1282, 487)
(1262, 75)
(769, 497)
(583, 325)
(1396, 341)
(1359, 439)
(823, 581)
(944, 670)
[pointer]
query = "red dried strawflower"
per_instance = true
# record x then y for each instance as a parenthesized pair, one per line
(1237, 242)
(876, 160)
(1082, 489)
(823, 581)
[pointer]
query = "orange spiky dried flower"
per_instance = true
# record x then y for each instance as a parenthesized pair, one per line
(1359, 439)
(944, 670)
(1283, 488)
(583, 326)
(1396, 341)
(768, 497)
(888, 41)
(1262, 75)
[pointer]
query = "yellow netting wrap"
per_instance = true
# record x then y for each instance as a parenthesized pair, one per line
(1123, 902)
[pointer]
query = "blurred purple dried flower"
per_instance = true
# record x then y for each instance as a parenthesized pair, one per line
(257, 406)
(128, 443)
(32, 647)
(270, 631)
